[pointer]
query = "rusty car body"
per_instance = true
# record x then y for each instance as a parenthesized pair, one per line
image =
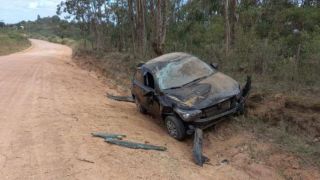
(186, 92)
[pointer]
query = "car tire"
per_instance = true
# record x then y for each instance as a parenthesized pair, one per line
(140, 108)
(175, 127)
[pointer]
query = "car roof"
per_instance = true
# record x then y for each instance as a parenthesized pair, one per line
(158, 62)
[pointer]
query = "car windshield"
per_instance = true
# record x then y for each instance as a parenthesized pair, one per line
(182, 71)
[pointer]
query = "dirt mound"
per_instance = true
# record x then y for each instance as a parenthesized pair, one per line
(300, 114)
(114, 68)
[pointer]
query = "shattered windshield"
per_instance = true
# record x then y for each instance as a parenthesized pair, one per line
(182, 71)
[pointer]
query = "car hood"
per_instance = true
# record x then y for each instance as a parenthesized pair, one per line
(209, 91)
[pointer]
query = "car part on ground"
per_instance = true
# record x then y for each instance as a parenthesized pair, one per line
(117, 140)
(106, 135)
(198, 157)
(134, 145)
(121, 98)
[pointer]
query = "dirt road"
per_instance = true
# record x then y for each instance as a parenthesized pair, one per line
(49, 107)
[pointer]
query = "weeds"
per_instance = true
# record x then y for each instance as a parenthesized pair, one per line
(12, 41)
(295, 143)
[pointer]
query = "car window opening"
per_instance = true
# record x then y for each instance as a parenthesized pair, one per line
(148, 80)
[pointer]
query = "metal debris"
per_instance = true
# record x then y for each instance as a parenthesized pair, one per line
(134, 145)
(106, 135)
(199, 158)
(225, 161)
(117, 140)
(85, 160)
(121, 98)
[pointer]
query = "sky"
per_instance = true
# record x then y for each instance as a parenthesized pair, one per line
(14, 11)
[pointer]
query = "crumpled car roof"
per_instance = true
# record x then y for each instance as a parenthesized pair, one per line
(157, 63)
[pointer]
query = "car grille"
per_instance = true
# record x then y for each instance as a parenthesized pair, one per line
(217, 109)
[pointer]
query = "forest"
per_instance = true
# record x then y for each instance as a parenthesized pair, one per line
(274, 40)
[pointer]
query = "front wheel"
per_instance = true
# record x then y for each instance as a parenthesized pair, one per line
(175, 127)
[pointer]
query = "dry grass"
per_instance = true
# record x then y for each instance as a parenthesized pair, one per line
(12, 41)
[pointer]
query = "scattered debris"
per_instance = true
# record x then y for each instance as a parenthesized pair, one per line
(197, 148)
(106, 135)
(121, 98)
(134, 145)
(117, 140)
(85, 160)
(225, 161)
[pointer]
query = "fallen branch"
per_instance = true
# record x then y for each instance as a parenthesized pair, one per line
(134, 145)
(121, 98)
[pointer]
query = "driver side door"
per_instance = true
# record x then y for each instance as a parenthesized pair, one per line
(151, 99)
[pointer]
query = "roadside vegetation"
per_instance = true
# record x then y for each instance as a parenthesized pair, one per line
(276, 42)
(12, 41)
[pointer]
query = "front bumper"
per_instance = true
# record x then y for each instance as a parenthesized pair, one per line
(206, 122)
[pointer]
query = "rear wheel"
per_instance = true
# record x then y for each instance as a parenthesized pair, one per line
(175, 127)
(140, 108)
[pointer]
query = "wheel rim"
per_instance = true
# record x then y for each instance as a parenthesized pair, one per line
(172, 129)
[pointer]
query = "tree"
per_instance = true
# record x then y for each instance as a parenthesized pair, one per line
(2, 24)
(160, 26)
(226, 27)
(141, 26)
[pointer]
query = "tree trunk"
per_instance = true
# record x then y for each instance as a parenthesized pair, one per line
(233, 6)
(132, 22)
(226, 27)
(161, 27)
(141, 26)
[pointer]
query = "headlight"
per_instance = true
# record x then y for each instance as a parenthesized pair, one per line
(188, 115)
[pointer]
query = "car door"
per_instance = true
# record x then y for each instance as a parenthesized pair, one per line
(151, 99)
(137, 85)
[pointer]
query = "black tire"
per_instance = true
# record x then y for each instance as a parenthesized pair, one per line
(175, 127)
(140, 108)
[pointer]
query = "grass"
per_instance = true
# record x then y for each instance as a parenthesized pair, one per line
(12, 41)
(295, 143)
(55, 39)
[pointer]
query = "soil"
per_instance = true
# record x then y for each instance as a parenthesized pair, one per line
(49, 107)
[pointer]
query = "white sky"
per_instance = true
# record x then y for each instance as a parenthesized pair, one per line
(13, 11)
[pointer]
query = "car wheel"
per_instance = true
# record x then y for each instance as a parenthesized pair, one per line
(140, 108)
(175, 127)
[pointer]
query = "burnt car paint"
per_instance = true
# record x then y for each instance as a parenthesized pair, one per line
(216, 95)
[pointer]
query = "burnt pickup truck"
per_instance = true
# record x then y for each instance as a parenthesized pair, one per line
(186, 93)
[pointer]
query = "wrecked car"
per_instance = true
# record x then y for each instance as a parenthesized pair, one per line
(186, 93)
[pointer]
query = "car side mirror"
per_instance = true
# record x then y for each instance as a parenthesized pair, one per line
(215, 65)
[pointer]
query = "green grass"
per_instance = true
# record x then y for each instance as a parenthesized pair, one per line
(295, 143)
(12, 41)
(55, 39)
